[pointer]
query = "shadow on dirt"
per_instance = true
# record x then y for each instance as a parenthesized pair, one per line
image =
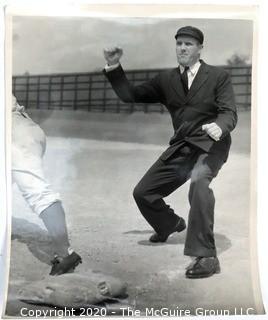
(37, 239)
(40, 245)
(222, 242)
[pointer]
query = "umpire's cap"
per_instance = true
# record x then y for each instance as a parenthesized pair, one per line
(190, 31)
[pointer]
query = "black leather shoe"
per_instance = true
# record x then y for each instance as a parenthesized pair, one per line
(157, 237)
(65, 265)
(203, 267)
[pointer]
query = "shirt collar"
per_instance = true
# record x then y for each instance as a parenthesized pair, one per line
(193, 69)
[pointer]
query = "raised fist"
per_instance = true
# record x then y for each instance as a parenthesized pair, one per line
(112, 55)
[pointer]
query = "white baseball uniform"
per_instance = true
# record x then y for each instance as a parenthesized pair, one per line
(28, 148)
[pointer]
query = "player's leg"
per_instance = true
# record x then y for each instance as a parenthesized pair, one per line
(28, 147)
(47, 204)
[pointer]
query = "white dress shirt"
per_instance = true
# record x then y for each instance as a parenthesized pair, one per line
(191, 73)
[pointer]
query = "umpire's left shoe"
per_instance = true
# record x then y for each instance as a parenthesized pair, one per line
(203, 267)
(65, 265)
(157, 237)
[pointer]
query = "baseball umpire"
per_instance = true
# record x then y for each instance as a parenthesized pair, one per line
(200, 100)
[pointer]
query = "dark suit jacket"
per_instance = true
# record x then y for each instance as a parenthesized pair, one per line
(210, 99)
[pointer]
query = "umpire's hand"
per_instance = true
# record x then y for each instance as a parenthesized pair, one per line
(213, 130)
(112, 55)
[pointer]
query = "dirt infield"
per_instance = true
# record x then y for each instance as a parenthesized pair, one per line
(95, 164)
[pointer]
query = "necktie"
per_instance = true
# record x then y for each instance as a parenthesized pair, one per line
(184, 79)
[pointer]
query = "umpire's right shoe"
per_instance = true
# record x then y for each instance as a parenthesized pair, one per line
(203, 267)
(65, 265)
(157, 237)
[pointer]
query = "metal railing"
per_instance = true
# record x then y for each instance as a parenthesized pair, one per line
(92, 92)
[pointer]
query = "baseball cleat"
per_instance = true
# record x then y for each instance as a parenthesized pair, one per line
(65, 265)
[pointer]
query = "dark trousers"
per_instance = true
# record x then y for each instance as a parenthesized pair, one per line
(166, 176)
